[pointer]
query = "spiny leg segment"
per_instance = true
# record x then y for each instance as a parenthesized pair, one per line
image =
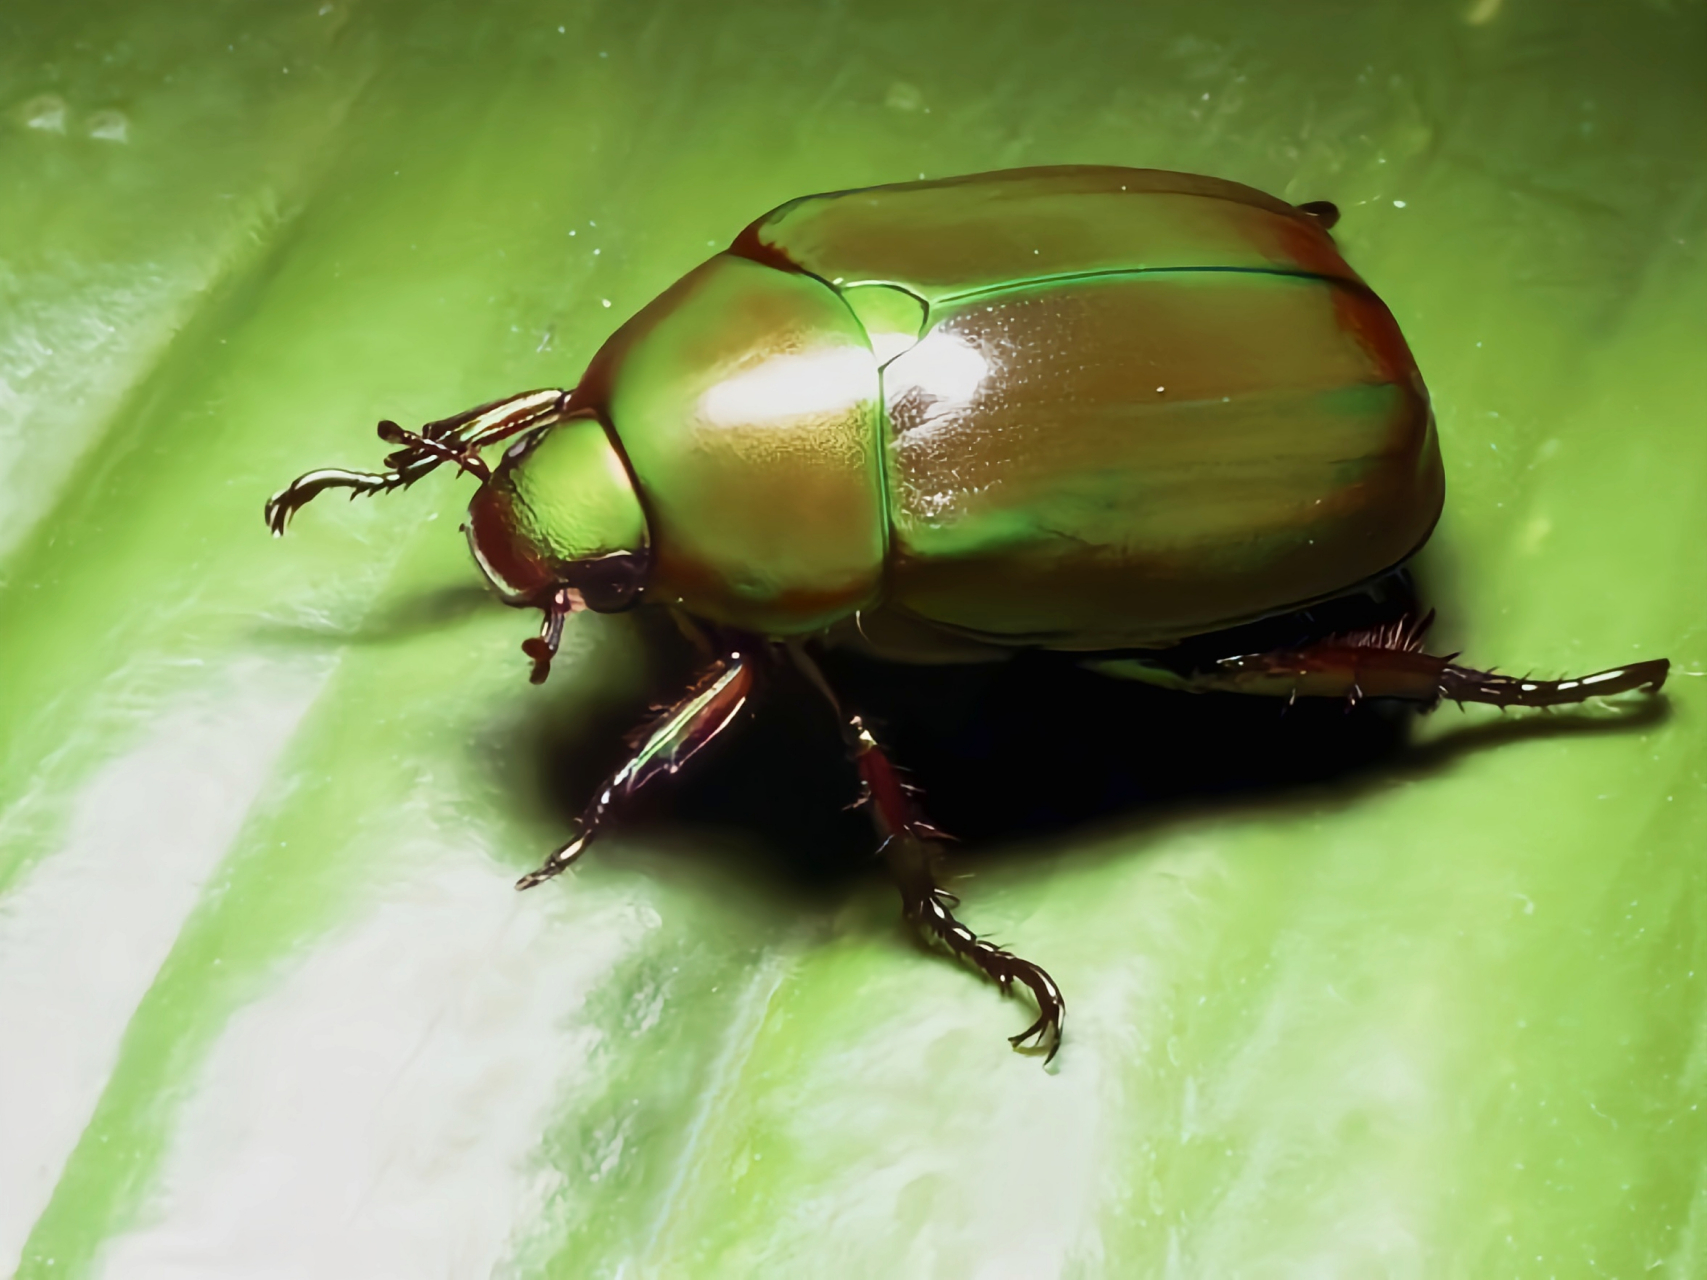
(908, 847)
(1388, 662)
(457, 439)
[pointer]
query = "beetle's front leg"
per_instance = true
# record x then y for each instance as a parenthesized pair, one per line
(455, 439)
(1386, 662)
(662, 747)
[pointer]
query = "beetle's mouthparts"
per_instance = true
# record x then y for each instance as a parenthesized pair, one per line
(543, 647)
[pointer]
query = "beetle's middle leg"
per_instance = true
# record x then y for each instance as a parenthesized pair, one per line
(661, 747)
(909, 843)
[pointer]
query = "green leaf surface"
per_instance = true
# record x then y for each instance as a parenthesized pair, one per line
(268, 1006)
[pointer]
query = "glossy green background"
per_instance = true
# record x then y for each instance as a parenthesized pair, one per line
(267, 1004)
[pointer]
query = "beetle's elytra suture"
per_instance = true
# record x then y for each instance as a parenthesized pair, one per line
(1115, 412)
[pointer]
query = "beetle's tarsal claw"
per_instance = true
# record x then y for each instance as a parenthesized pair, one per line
(1045, 1033)
(287, 501)
(311, 484)
(277, 514)
(928, 906)
(557, 863)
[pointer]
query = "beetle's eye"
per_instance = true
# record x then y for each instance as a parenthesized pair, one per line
(611, 583)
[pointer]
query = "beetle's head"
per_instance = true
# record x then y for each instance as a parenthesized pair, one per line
(558, 527)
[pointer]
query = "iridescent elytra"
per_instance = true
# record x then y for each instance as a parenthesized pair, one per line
(1108, 411)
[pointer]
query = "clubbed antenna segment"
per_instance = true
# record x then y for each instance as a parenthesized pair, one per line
(543, 647)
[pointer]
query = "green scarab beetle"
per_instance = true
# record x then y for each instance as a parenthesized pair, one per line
(1087, 408)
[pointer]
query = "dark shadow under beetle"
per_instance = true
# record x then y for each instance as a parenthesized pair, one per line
(1008, 754)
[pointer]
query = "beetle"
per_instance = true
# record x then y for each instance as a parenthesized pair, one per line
(1120, 413)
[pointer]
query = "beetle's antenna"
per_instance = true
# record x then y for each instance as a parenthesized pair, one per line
(543, 647)
(470, 461)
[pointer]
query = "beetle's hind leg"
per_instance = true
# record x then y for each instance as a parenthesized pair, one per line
(456, 439)
(662, 747)
(909, 844)
(1386, 662)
